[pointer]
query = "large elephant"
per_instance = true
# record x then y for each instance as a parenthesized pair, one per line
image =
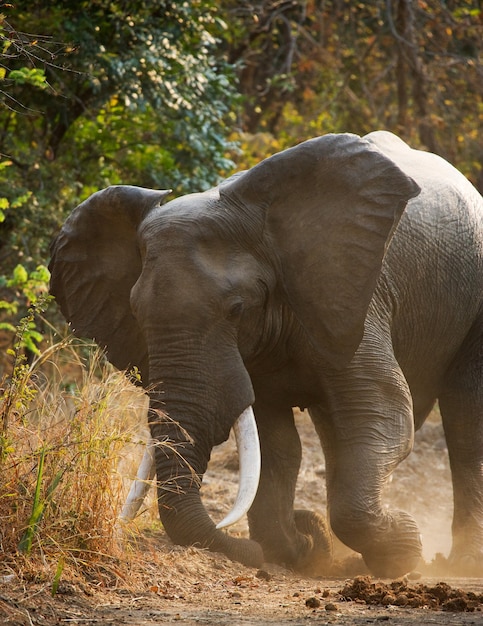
(344, 275)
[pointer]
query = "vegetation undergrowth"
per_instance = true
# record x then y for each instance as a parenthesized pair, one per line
(67, 422)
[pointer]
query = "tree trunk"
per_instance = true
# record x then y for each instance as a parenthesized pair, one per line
(408, 57)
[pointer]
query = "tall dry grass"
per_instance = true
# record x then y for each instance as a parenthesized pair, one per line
(68, 422)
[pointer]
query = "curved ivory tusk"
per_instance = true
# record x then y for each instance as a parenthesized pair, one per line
(248, 445)
(141, 484)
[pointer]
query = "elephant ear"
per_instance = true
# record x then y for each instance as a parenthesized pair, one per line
(330, 206)
(95, 261)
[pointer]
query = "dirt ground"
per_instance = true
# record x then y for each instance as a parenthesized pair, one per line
(168, 584)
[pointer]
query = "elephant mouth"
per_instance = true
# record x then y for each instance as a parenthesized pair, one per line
(248, 445)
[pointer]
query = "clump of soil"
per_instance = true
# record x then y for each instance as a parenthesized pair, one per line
(400, 593)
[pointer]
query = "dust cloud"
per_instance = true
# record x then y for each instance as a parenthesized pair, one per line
(422, 486)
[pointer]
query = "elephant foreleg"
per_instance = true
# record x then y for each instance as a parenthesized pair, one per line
(295, 539)
(367, 429)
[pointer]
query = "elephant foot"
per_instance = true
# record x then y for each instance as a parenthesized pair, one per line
(316, 559)
(302, 544)
(397, 550)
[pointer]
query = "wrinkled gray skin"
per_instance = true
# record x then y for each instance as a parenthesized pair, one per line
(283, 288)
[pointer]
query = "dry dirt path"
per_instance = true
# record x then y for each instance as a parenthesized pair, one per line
(191, 587)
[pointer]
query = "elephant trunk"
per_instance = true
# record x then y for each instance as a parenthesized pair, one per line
(180, 465)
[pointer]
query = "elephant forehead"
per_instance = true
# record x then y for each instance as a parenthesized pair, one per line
(176, 255)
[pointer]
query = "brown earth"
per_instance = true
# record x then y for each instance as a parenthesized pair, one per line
(168, 584)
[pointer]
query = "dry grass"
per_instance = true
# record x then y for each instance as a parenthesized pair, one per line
(67, 425)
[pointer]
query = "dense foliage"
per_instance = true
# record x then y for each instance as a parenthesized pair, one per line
(411, 66)
(133, 92)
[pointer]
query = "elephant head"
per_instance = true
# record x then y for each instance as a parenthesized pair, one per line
(204, 292)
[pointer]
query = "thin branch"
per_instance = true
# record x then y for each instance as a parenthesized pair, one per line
(393, 28)
(21, 42)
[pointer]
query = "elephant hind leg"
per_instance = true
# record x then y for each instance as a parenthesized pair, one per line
(461, 405)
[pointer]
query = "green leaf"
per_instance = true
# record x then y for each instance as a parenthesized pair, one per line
(8, 327)
(19, 277)
(19, 200)
(30, 76)
(10, 307)
(58, 574)
(25, 544)
(41, 274)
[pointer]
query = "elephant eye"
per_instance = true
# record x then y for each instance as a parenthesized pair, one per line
(234, 310)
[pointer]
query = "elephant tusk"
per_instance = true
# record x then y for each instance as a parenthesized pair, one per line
(248, 445)
(140, 485)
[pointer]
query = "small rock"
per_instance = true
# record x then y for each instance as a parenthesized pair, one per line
(389, 598)
(312, 603)
(330, 606)
(66, 588)
(263, 575)
(456, 604)
(401, 599)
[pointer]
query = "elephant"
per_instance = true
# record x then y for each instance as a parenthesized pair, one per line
(344, 276)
